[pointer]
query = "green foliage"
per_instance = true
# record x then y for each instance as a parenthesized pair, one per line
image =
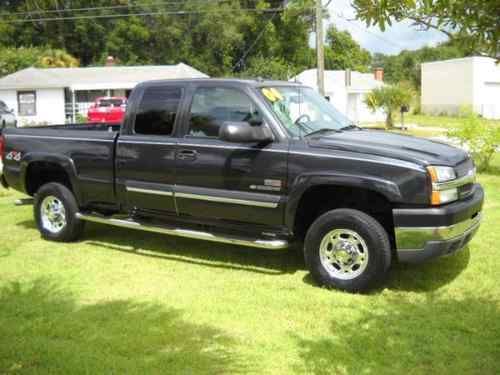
(343, 52)
(14, 59)
(472, 24)
(390, 99)
(271, 68)
(405, 66)
(481, 139)
(216, 37)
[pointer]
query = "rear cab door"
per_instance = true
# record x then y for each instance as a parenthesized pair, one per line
(145, 153)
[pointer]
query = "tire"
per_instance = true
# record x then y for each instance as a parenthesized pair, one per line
(57, 223)
(348, 250)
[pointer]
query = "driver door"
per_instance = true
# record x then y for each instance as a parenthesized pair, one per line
(240, 182)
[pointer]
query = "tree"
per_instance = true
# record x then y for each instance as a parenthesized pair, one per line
(343, 52)
(269, 68)
(390, 98)
(472, 24)
(14, 59)
(216, 37)
(405, 66)
(56, 58)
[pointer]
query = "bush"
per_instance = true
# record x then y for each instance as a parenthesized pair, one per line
(481, 139)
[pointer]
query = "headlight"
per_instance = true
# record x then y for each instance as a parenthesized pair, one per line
(441, 174)
(440, 194)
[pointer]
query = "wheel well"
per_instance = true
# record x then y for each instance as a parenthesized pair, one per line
(40, 173)
(320, 199)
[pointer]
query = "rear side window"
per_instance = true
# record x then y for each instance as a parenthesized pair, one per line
(158, 110)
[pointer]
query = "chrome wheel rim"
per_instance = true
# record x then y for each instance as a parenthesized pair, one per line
(343, 254)
(53, 214)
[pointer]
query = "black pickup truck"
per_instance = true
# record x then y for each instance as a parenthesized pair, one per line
(252, 163)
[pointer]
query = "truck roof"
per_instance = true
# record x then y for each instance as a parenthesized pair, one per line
(257, 82)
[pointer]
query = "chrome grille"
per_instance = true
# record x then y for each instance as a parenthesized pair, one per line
(464, 167)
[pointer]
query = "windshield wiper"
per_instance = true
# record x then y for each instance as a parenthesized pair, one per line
(351, 127)
(321, 131)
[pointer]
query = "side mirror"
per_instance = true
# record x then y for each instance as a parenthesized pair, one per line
(243, 132)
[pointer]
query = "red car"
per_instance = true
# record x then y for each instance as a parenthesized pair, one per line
(109, 110)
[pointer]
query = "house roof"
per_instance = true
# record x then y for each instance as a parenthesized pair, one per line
(95, 78)
(335, 79)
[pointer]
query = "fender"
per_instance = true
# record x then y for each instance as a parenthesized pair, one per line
(389, 189)
(64, 162)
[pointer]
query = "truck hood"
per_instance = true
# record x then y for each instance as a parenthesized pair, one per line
(396, 146)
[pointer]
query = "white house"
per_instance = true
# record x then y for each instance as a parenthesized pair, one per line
(347, 91)
(58, 95)
(451, 84)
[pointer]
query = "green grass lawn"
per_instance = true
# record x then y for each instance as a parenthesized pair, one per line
(131, 302)
(447, 122)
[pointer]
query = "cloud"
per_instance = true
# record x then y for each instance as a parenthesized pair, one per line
(401, 35)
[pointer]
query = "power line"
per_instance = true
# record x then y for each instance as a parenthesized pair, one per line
(111, 7)
(142, 14)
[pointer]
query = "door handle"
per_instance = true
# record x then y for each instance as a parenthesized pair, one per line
(187, 154)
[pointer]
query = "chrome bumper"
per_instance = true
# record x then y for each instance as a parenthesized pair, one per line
(416, 244)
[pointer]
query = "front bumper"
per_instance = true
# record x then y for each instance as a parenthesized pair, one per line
(427, 233)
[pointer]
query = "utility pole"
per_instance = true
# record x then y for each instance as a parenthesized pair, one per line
(320, 48)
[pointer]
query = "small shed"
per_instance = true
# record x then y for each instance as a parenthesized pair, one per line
(449, 85)
(59, 95)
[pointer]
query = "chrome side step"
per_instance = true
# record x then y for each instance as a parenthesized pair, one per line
(24, 202)
(187, 233)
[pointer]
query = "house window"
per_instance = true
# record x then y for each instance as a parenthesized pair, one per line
(27, 103)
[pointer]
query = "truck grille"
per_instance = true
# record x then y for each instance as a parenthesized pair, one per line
(461, 170)
(464, 167)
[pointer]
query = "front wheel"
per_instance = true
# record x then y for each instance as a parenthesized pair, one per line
(348, 250)
(55, 209)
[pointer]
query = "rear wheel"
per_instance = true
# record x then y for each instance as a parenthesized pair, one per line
(347, 249)
(55, 209)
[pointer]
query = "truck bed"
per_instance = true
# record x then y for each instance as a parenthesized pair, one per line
(85, 150)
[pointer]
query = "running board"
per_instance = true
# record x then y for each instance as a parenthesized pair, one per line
(24, 202)
(187, 233)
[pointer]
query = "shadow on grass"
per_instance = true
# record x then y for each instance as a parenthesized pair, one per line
(197, 252)
(424, 277)
(428, 276)
(400, 335)
(44, 330)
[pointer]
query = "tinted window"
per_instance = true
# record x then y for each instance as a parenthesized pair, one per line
(212, 106)
(157, 111)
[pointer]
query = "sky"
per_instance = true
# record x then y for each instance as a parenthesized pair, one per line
(396, 38)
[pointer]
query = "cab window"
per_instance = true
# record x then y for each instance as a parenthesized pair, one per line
(158, 110)
(212, 106)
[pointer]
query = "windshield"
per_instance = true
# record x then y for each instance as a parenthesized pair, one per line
(303, 111)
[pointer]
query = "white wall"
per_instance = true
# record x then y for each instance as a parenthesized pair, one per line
(451, 84)
(446, 86)
(49, 106)
(486, 87)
